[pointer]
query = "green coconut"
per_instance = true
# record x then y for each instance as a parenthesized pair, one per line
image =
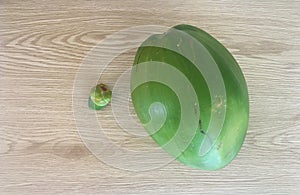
(191, 96)
(100, 96)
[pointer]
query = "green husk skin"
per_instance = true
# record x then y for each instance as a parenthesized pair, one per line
(235, 126)
(94, 106)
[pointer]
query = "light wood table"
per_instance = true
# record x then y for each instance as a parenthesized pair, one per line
(42, 45)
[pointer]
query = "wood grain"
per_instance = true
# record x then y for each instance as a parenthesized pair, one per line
(42, 46)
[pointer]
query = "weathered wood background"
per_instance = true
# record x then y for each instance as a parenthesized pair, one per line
(43, 43)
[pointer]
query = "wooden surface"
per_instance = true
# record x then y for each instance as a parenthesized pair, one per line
(42, 46)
